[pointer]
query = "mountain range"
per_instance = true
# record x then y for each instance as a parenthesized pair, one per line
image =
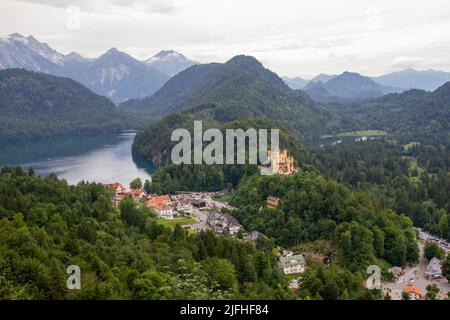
(347, 86)
(114, 74)
(241, 87)
(428, 80)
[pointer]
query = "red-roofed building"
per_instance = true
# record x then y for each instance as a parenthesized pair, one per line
(118, 187)
(413, 292)
(119, 197)
(163, 206)
(138, 193)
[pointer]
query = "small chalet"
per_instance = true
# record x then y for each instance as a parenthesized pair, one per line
(434, 269)
(138, 194)
(292, 264)
(272, 202)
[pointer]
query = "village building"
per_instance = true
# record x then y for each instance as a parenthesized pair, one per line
(413, 292)
(199, 204)
(138, 194)
(223, 222)
(272, 202)
(120, 192)
(292, 264)
(118, 198)
(182, 204)
(434, 269)
(361, 139)
(255, 236)
(117, 187)
(163, 206)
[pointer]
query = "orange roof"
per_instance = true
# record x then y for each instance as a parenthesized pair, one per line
(159, 201)
(115, 186)
(412, 289)
(137, 192)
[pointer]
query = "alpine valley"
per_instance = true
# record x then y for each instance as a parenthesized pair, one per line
(363, 181)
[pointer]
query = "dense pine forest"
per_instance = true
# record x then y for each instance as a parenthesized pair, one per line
(411, 180)
(47, 225)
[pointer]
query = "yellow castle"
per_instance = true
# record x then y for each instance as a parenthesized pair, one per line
(284, 160)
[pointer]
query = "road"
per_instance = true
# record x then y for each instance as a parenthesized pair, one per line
(202, 215)
(415, 275)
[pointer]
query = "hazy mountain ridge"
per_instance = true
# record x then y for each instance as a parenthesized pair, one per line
(413, 79)
(295, 83)
(428, 80)
(114, 74)
(347, 86)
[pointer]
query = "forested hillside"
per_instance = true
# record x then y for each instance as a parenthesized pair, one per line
(47, 225)
(410, 180)
(241, 88)
(413, 114)
(36, 105)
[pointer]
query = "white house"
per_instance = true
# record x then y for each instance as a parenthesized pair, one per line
(434, 269)
(292, 264)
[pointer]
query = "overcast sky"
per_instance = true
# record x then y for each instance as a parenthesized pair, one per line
(293, 38)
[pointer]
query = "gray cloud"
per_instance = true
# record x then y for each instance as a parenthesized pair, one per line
(293, 38)
(153, 6)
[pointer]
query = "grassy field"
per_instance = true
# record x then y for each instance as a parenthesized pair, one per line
(224, 197)
(414, 166)
(171, 223)
(368, 133)
(410, 145)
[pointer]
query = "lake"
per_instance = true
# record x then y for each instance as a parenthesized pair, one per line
(97, 158)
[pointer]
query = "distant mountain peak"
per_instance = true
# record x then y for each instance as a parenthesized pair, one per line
(113, 50)
(15, 35)
(350, 74)
(324, 77)
(244, 59)
(168, 54)
(114, 53)
(75, 56)
(295, 83)
(169, 62)
(31, 38)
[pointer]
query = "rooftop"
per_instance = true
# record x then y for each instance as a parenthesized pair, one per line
(292, 260)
